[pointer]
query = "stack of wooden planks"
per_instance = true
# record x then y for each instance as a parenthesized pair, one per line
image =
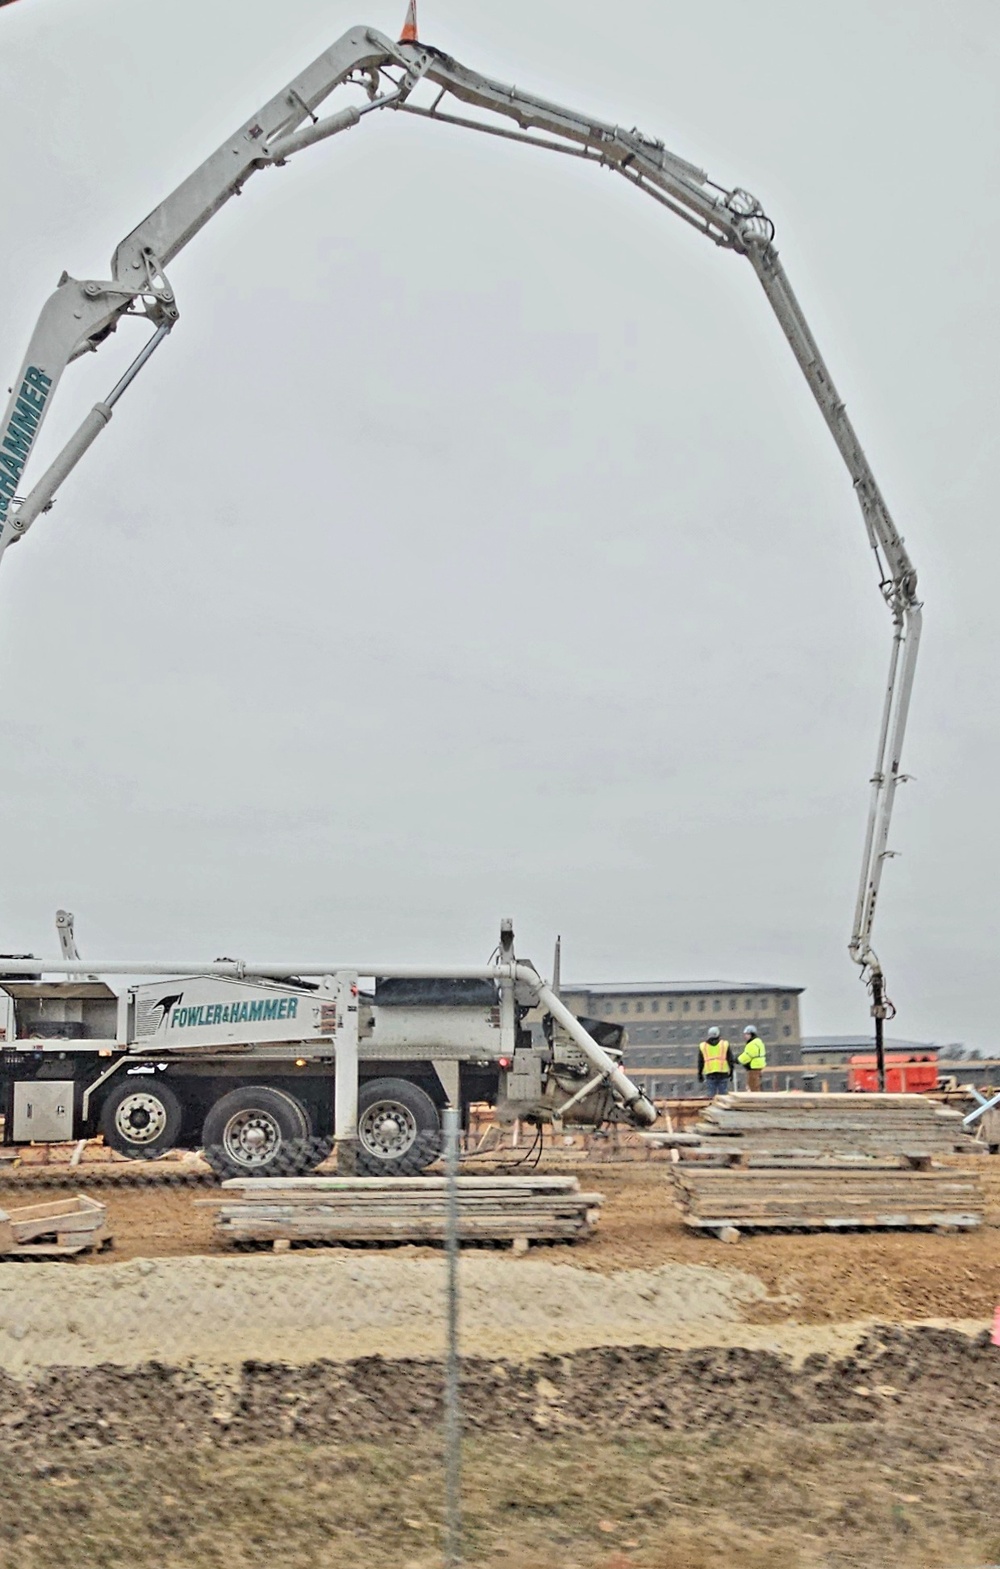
(59, 1229)
(816, 1125)
(827, 1197)
(519, 1210)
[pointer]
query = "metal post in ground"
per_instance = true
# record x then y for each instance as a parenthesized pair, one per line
(452, 1408)
(878, 1010)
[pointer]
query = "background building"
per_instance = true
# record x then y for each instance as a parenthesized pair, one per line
(666, 1020)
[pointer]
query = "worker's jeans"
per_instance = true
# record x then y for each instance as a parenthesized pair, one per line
(716, 1084)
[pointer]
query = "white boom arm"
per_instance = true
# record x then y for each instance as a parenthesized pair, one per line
(80, 315)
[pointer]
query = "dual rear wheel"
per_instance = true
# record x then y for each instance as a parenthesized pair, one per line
(399, 1129)
(260, 1131)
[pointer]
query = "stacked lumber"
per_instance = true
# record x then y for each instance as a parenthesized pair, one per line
(520, 1210)
(59, 1229)
(827, 1198)
(787, 1124)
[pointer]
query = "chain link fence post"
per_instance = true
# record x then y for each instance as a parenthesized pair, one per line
(452, 1406)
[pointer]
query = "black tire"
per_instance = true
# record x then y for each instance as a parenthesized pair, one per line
(258, 1131)
(399, 1129)
(141, 1118)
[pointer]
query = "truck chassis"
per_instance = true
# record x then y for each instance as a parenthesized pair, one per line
(268, 1069)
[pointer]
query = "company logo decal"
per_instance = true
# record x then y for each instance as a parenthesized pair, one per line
(165, 1004)
(204, 1015)
(22, 427)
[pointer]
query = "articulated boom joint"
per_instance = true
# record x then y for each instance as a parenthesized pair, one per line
(750, 224)
(156, 293)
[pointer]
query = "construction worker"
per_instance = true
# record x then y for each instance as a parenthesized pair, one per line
(715, 1063)
(753, 1057)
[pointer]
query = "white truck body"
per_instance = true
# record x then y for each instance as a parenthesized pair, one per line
(267, 1072)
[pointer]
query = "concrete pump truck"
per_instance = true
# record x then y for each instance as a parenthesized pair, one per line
(182, 1061)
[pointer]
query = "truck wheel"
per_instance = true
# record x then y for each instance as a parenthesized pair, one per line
(141, 1118)
(258, 1131)
(399, 1130)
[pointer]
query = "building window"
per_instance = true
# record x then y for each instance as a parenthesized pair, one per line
(670, 1007)
(786, 1031)
(654, 1007)
(716, 1005)
(701, 1005)
(624, 1007)
(640, 1007)
(786, 1003)
(687, 1006)
(764, 1004)
(732, 1004)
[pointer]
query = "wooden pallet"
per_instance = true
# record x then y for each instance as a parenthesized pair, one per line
(59, 1229)
(827, 1198)
(519, 1210)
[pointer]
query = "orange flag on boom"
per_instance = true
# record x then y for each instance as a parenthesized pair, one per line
(409, 33)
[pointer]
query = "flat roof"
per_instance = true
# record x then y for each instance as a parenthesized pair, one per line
(867, 1043)
(651, 988)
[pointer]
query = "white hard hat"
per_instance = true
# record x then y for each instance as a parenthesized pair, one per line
(749, 1030)
(713, 1034)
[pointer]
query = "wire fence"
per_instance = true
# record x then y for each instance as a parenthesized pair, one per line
(264, 1289)
(113, 1267)
(191, 1375)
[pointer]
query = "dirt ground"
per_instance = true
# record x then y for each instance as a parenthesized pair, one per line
(650, 1397)
(661, 1459)
(816, 1279)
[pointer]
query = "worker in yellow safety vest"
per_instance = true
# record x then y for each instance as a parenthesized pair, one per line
(753, 1057)
(715, 1063)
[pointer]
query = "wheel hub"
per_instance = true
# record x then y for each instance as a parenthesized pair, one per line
(251, 1138)
(388, 1130)
(141, 1118)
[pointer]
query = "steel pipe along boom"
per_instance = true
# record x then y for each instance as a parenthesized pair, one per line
(238, 969)
(81, 315)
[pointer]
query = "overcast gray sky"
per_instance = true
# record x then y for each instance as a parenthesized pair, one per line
(474, 546)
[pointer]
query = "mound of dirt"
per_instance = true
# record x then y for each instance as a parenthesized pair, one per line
(917, 1378)
(339, 1304)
